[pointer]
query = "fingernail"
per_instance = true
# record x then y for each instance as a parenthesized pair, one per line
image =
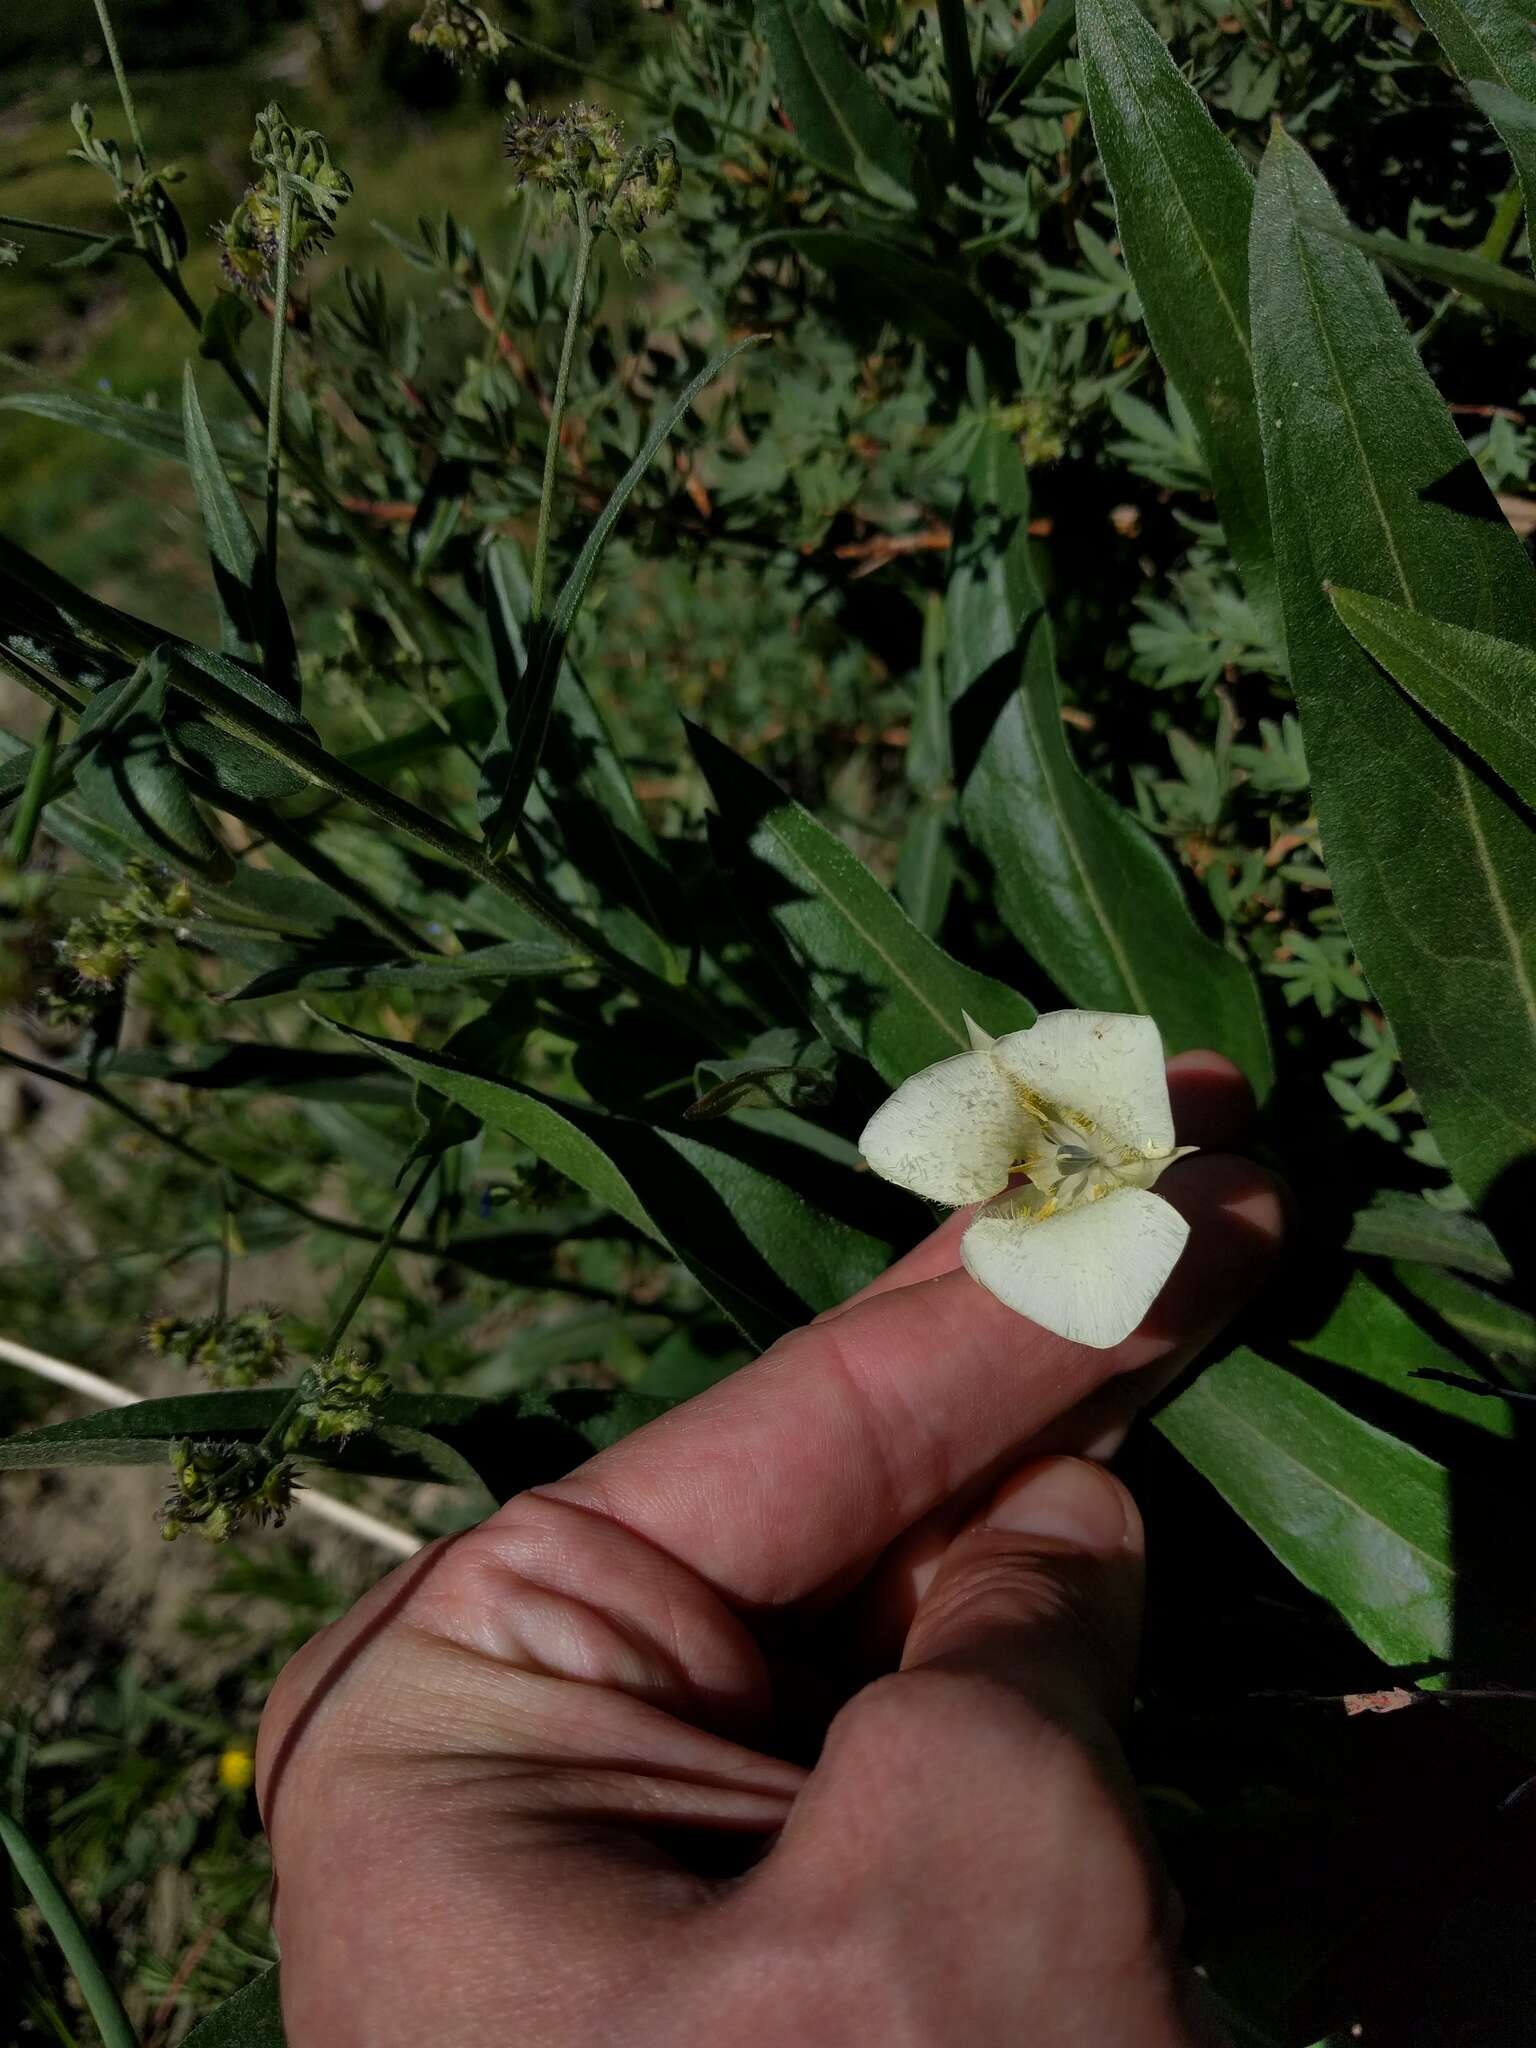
(1065, 1499)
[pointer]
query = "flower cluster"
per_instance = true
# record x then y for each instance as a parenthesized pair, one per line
(108, 942)
(1059, 1132)
(578, 157)
(463, 34)
(292, 160)
(153, 220)
(219, 1487)
(244, 1350)
(338, 1397)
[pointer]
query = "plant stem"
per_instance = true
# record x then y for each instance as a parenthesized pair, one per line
(52, 227)
(286, 202)
(53, 1902)
(556, 413)
(272, 1442)
(123, 91)
(30, 809)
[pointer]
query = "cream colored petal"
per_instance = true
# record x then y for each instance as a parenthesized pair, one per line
(1100, 1065)
(1088, 1273)
(951, 1132)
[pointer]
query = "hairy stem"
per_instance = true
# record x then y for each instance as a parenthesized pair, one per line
(286, 202)
(556, 414)
(124, 91)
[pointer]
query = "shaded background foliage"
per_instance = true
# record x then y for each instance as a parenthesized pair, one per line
(941, 578)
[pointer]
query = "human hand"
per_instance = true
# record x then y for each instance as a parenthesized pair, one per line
(787, 1720)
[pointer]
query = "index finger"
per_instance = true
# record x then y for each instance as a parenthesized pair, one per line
(804, 1466)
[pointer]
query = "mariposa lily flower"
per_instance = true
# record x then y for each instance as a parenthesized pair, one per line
(1059, 1132)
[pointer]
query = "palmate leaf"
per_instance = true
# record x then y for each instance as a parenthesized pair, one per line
(1372, 489)
(879, 984)
(1480, 689)
(529, 695)
(239, 562)
(1183, 202)
(1491, 44)
(839, 118)
(769, 1252)
(1077, 881)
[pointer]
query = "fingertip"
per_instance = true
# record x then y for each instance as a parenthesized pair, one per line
(1212, 1102)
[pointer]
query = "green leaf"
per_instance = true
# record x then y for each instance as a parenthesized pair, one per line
(1077, 880)
(143, 427)
(63, 1922)
(763, 1249)
(218, 1064)
(538, 956)
(890, 993)
(1183, 201)
(251, 2018)
(1514, 116)
(1500, 289)
(839, 118)
(935, 306)
(130, 782)
(1490, 43)
(239, 562)
(514, 756)
(1360, 1518)
(1372, 488)
(925, 871)
(1369, 1334)
(1401, 1226)
(1504, 1334)
(1039, 49)
(1480, 689)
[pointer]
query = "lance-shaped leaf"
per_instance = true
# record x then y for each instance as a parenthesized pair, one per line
(1394, 1225)
(1480, 689)
(839, 118)
(1183, 201)
(888, 990)
(239, 562)
(1502, 290)
(1372, 488)
(529, 691)
(131, 783)
(539, 956)
(1077, 880)
(1037, 49)
(1491, 44)
(143, 427)
(764, 1251)
(1362, 1519)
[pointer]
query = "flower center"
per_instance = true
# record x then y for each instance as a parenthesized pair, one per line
(1067, 1165)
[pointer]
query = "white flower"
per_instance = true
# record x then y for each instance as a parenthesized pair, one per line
(1077, 1105)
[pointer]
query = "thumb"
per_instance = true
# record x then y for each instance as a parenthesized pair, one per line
(1043, 1595)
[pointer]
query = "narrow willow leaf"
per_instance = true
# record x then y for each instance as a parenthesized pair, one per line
(1400, 1226)
(1076, 879)
(1361, 1519)
(63, 1923)
(1480, 689)
(1494, 285)
(925, 872)
(1504, 1334)
(219, 1064)
(586, 787)
(1038, 49)
(1513, 114)
(839, 118)
(539, 956)
(1372, 489)
(763, 1250)
(239, 563)
(931, 305)
(1183, 202)
(143, 427)
(1490, 43)
(891, 993)
(1371, 1335)
(131, 783)
(514, 757)
(251, 2018)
